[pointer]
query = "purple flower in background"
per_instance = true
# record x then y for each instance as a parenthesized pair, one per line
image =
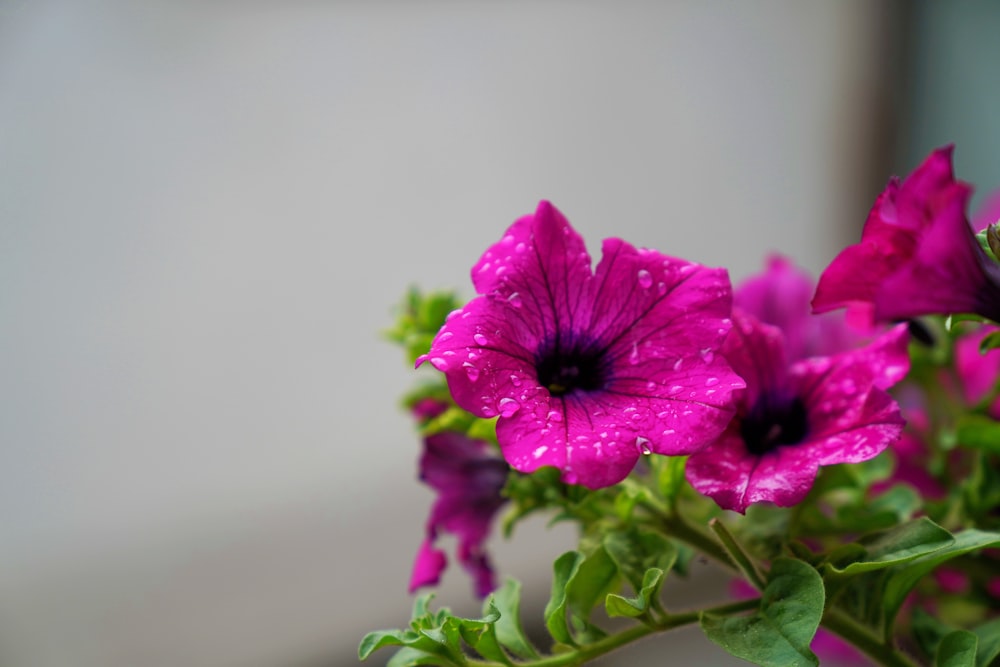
(468, 479)
(977, 372)
(780, 296)
(589, 368)
(796, 416)
(918, 254)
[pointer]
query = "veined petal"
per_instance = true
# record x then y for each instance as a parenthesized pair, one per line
(735, 479)
(586, 370)
(540, 265)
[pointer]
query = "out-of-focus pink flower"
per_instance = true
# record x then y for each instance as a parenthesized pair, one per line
(911, 468)
(918, 254)
(468, 479)
(795, 417)
(427, 409)
(780, 296)
(951, 580)
(978, 373)
(587, 368)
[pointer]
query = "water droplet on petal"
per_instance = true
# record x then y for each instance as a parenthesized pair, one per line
(708, 355)
(711, 382)
(439, 363)
(677, 364)
(633, 357)
(643, 445)
(539, 451)
(445, 336)
(515, 380)
(480, 339)
(508, 406)
(676, 389)
(555, 416)
(520, 248)
(668, 432)
(514, 300)
(471, 371)
(645, 279)
(661, 288)
(487, 411)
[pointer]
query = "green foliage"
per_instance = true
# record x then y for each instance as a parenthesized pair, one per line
(852, 549)
(778, 634)
(898, 545)
(418, 319)
(642, 603)
(509, 631)
(440, 638)
(957, 649)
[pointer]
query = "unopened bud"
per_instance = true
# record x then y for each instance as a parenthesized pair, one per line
(993, 238)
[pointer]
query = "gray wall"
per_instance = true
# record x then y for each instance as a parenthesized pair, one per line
(207, 210)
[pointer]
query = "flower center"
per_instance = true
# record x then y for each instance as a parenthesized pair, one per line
(771, 424)
(565, 371)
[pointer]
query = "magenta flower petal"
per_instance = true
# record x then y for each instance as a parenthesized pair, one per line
(948, 273)
(468, 479)
(780, 296)
(792, 419)
(428, 566)
(587, 369)
(917, 254)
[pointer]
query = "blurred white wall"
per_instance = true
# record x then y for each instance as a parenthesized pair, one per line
(207, 210)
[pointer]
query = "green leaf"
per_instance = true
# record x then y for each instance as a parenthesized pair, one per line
(565, 567)
(957, 649)
(509, 632)
(989, 642)
(979, 432)
(594, 579)
(989, 342)
(892, 547)
(927, 631)
(409, 638)
(637, 550)
(480, 634)
(779, 633)
(617, 605)
(902, 580)
(411, 657)
(670, 476)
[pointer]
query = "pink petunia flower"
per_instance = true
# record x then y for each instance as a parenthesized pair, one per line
(796, 416)
(918, 254)
(468, 479)
(589, 368)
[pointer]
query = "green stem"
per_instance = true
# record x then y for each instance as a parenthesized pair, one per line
(616, 641)
(685, 532)
(863, 639)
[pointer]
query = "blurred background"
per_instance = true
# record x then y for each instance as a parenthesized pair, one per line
(209, 208)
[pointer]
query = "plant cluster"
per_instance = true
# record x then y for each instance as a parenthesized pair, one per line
(833, 446)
